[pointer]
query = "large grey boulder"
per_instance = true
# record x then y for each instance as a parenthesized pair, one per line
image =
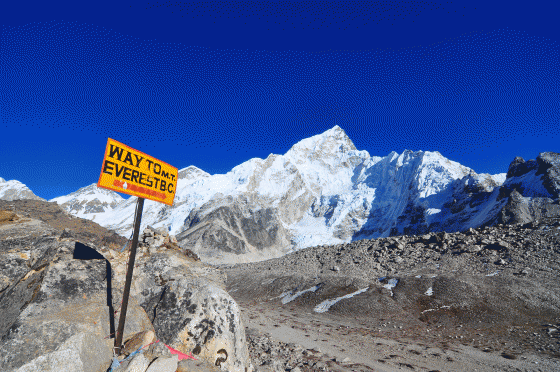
(81, 352)
(187, 303)
(57, 308)
(61, 301)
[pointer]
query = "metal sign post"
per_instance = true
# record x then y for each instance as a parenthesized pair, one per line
(135, 173)
(128, 281)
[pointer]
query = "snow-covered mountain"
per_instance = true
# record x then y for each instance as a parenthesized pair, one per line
(325, 191)
(14, 190)
(88, 202)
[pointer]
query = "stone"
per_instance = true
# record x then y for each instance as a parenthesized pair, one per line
(139, 339)
(82, 352)
(335, 268)
(138, 364)
(164, 364)
(66, 233)
(190, 309)
(155, 350)
(63, 299)
(189, 365)
(60, 292)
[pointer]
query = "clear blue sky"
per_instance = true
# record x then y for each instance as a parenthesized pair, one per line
(213, 84)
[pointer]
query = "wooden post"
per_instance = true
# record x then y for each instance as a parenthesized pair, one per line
(128, 282)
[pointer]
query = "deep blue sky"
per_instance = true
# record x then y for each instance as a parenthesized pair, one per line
(213, 84)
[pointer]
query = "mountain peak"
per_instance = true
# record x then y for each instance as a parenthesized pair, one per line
(14, 190)
(331, 142)
(192, 172)
(89, 199)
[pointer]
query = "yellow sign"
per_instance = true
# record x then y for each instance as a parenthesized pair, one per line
(132, 172)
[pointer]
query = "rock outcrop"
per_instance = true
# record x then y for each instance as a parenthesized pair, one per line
(235, 230)
(60, 301)
(186, 301)
(56, 307)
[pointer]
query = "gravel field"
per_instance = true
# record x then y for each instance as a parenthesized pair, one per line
(486, 299)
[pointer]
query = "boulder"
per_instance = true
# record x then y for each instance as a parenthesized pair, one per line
(189, 365)
(57, 305)
(82, 352)
(138, 364)
(189, 308)
(61, 299)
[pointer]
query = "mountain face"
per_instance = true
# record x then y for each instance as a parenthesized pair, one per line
(14, 190)
(89, 201)
(325, 191)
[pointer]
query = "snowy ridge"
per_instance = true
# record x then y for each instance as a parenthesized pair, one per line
(89, 201)
(322, 191)
(14, 190)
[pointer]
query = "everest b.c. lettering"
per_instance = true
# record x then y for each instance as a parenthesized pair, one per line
(132, 172)
(138, 177)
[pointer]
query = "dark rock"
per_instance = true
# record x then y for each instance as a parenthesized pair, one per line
(519, 167)
(549, 166)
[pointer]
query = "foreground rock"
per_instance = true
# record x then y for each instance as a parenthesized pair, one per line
(186, 301)
(57, 310)
(60, 302)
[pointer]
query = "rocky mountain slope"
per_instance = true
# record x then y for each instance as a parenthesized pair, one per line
(65, 223)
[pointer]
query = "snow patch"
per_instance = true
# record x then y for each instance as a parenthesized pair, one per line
(443, 307)
(326, 305)
(391, 283)
(290, 296)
